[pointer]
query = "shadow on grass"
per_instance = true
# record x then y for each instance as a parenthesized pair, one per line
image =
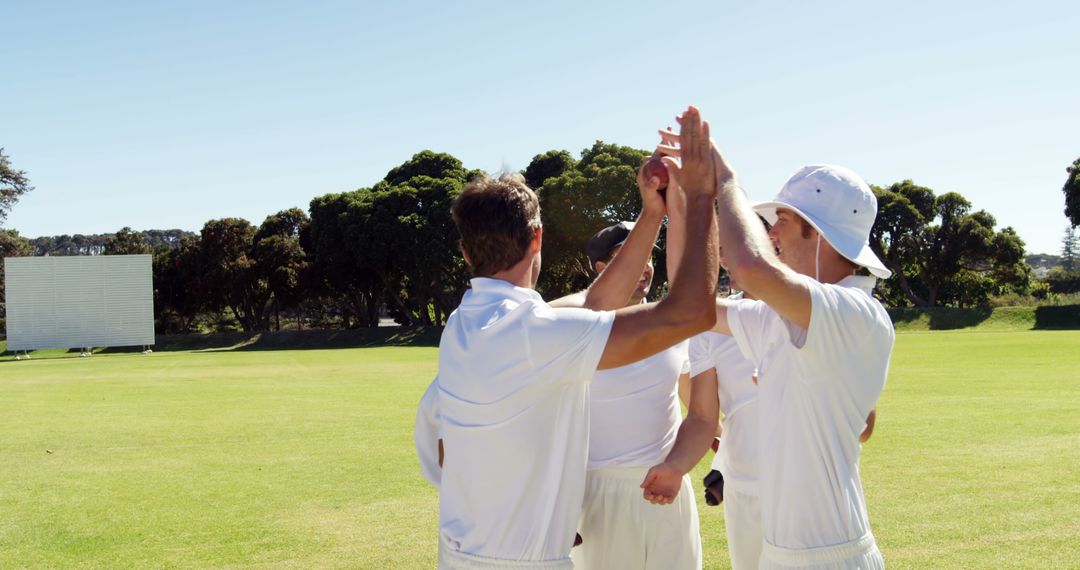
(1065, 317)
(293, 340)
(942, 318)
(282, 340)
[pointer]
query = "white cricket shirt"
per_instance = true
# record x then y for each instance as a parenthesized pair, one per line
(635, 412)
(815, 389)
(737, 456)
(512, 404)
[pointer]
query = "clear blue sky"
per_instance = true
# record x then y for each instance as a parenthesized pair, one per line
(166, 115)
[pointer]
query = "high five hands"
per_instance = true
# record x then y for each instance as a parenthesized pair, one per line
(693, 143)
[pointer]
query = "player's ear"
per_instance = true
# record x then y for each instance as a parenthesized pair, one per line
(537, 240)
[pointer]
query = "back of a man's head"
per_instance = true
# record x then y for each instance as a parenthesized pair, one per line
(497, 219)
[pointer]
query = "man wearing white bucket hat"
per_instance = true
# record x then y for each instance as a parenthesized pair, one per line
(821, 343)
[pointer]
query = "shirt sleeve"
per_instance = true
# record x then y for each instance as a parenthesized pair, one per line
(684, 353)
(751, 324)
(700, 354)
(566, 342)
(427, 433)
(842, 319)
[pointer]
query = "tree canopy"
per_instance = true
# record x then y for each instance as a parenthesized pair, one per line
(577, 199)
(940, 252)
(391, 249)
(1072, 192)
(13, 184)
(126, 242)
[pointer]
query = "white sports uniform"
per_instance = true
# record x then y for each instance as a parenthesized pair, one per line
(816, 387)
(513, 412)
(737, 456)
(635, 416)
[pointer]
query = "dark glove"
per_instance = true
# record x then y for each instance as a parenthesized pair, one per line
(714, 488)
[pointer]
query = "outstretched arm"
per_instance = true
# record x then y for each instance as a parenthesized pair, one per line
(696, 434)
(751, 257)
(613, 287)
(644, 330)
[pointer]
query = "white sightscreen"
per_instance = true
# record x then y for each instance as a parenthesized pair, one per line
(74, 302)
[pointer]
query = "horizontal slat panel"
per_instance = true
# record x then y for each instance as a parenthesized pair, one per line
(72, 302)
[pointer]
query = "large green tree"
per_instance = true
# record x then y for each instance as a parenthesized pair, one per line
(585, 196)
(230, 276)
(940, 252)
(178, 287)
(337, 242)
(547, 165)
(280, 259)
(394, 244)
(13, 184)
(126, 242)
(1072, 192)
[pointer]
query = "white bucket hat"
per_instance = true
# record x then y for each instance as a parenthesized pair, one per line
(838, 204)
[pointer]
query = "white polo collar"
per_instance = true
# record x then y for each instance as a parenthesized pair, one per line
(862, 282)
(486, 287)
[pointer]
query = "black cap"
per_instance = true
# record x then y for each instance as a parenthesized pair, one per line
(606, 240)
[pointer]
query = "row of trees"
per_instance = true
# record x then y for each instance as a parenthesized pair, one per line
(941, 252)
(95, 244)
(392, 249)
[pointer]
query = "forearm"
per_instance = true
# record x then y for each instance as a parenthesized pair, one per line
(675, 243)
(693, 440)
(613, 287)
(745, 242)
(694, 286)
(753, 262)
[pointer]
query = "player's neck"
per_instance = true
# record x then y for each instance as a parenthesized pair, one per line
(522, 274)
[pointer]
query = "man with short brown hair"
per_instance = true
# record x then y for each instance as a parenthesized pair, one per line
(511, 392)
(497, 218)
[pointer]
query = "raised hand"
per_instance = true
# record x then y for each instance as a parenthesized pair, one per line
(651, 199)
(696, 175)
(671, 145)
(662, 484)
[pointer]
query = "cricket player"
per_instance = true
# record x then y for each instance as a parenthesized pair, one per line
(724, 381)
(821, 343)
(635, 414)
(511, 398)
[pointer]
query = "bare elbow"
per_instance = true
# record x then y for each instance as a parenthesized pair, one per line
(750, 272)
(684, 314)
(700, 317)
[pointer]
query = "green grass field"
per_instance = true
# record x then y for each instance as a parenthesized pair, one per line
(304, 459)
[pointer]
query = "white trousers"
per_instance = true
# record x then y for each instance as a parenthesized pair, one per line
(742, 519)
(860, 554)
(621, 530)
(452, 560)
